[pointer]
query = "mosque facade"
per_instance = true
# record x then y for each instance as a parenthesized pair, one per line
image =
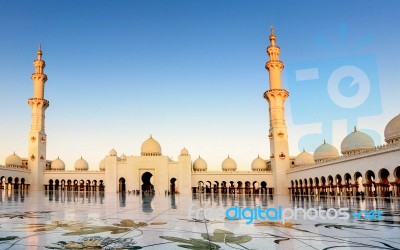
(362, 168)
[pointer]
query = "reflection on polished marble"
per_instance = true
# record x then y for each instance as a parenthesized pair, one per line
(93, 220)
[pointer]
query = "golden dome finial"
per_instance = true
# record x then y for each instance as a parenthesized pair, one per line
(272, 30)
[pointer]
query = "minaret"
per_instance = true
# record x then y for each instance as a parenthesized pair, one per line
(37, 135)
(278, 136)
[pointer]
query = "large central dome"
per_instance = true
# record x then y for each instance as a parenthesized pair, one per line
(151, 148)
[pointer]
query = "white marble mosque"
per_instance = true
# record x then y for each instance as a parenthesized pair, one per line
(149, 201)
(360, 168)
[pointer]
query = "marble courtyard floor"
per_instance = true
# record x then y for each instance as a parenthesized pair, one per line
(87, 220)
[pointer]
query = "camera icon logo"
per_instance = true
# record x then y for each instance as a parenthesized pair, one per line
(340, 88)
(343, 88)
(359, 77)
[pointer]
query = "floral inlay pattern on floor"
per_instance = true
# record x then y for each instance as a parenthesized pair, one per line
(82, 220)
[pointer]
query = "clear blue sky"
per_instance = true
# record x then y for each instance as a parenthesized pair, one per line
(189, 72)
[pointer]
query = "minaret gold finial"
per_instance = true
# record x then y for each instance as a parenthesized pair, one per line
(272, 37)
(40, 53)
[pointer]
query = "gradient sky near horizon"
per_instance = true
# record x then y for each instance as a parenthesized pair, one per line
(191, 73)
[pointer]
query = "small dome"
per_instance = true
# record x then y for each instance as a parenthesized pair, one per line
(229, 164)
(151, 148)
(102, 165)
(184, 151)
(13, 160)
(81, 164)
(113, 152)
(57, 164)
(258, 164)
(200, 164)
(325, 151)
(356, 141)
(304, 158)
(123, 157)
(392, 130)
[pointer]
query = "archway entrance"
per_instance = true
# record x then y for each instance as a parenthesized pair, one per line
(50, 184)
(263, 187)
(122, 186)
(57, 186)
(147, 186)
(16, 183)
(173, 180)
